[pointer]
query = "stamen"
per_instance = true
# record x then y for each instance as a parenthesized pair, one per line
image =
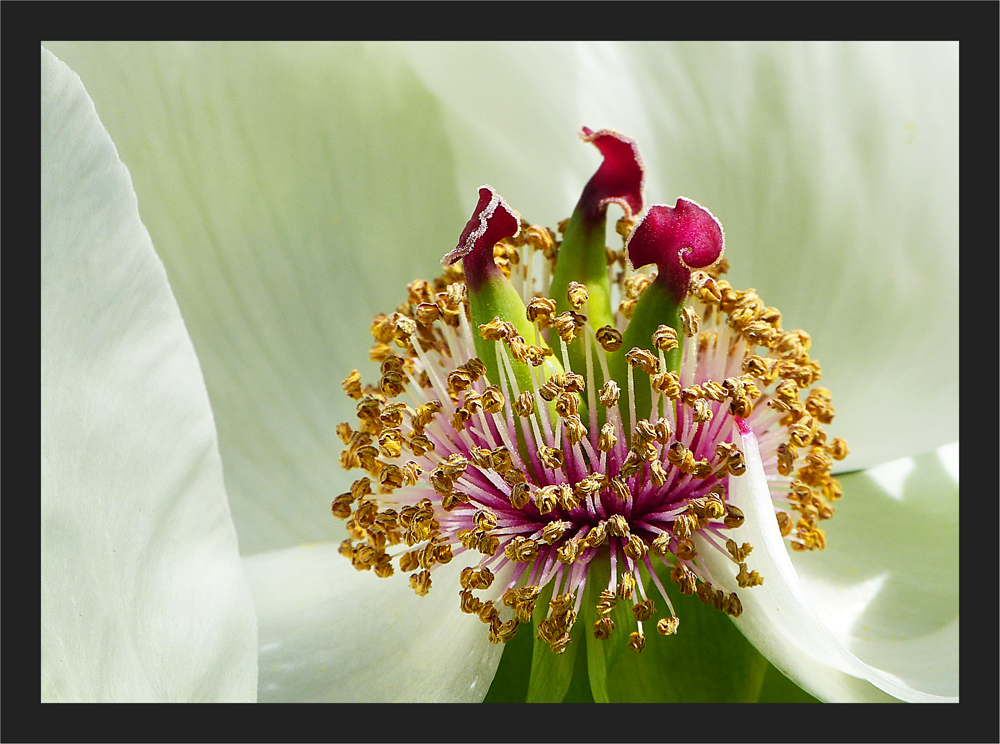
(522, 456)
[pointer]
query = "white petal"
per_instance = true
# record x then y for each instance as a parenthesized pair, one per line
(780, 621)
(833, 167)
(292, 191)
(142, 592)
(888, 582)
(331, 634)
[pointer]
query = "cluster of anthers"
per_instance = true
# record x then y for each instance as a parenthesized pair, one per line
(551, 436)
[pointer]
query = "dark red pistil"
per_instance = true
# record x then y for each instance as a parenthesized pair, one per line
(677, 239)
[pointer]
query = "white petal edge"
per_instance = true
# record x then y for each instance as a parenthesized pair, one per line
(142, 593)
(329, 633)
(778, 618)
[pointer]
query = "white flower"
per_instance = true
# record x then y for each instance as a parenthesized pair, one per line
(292, 190)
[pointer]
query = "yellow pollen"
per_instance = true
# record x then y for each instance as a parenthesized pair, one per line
(609, 338)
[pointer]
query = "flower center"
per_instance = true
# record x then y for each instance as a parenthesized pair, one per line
(549, 446)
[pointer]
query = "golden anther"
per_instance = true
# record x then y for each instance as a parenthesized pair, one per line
(592, 484)
(419, 290)
(460, 418)
(665, 338)
(459, 379)
(603, 628)
(643, 358)
(597, 536)
(643, 611)
(747, 579)
(734, 517)
(575, 430)
(488, 545)
(736, 464)
(657, 473)
(559, 645)
(488, 613)
(405, 328)
(685, 550)
(485, 519)
(739, 553)
(554, 530)
(617, 526)
(502, 461)
(518, 348)
(667, 383)
(391, 477)
(606, 603)
(636, 641)
(567, 404)
(689, 321)
(624, 227)
(390, 443)
(496, 330)
(677, 452)
(392, 384)
(345, 432)
(631, 465)
(468, 602)
(567, 323)
(536, 354)
(705, 288)
(714, 504)
(524, 405)
(627, 587)
(702, 412)
(732, 605)
(837, 448)
(572, 382)
(635, 285)
(636, 548)
(569, 551)
(549, 389)
(661, 545)
(684, 578)
(479, 577)
(714, 391)
(519, 496)
(667, 625)
(341, 506)
(502, 632)
(608, 438)
(786, 459)
(408, 561)
(441, 482)
(610, 393)
(551, 457)
(577, 295)
(546, 498)
(352, 385)
(426, 313)
(481, 457)
(541, 309)
(420, 582)
(514, 476)
(492, 399)
(420, 444)
(619, 488)
(627, 308)
(609, 338)
(569, 498)
(561, 605)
